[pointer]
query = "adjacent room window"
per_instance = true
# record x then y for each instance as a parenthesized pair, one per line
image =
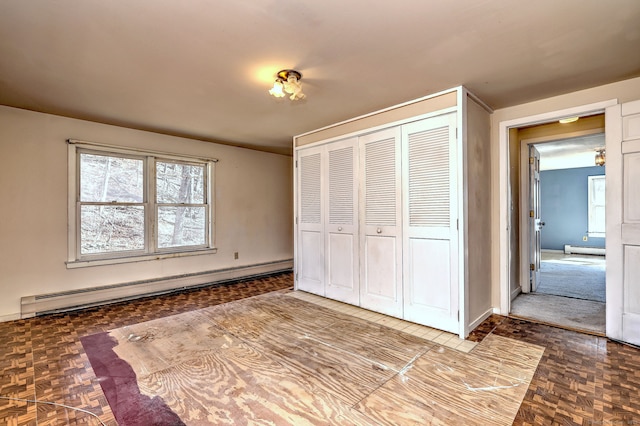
(596, 206)
(132, 204)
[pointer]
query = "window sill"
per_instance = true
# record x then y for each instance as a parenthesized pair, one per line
(596, 234)
(73, 264)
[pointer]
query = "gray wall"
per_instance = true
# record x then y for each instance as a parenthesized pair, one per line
(564, 204)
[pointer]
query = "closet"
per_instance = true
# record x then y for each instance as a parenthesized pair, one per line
(386, 206)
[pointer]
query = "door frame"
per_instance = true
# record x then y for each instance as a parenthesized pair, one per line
(525, 191)
(504, 195)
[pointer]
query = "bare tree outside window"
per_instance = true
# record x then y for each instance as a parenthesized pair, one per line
(181, 209)
(116, 215)
(111, 212)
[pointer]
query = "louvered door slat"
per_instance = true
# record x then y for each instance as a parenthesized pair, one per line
(380, 175)
(310, 189)
(341, 182)
(429, 178)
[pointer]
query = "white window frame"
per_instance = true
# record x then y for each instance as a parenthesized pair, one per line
(592, 207)
(151, 251)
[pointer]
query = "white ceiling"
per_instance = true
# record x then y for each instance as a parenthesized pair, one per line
(202, 68)
(570, 153)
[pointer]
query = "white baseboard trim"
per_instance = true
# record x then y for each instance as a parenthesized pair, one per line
(9, 317)
(515, 292)
(83, 298)
(481, 318)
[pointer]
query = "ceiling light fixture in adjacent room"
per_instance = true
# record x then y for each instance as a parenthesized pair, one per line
(600, 157)
(568, 120)
(288, 81)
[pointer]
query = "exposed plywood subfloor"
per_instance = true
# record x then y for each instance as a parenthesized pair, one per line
(280, 359)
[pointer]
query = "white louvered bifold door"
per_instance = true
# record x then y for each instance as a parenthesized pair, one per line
(341, 222)
(430, 240)
(380, 229)
(310, 242)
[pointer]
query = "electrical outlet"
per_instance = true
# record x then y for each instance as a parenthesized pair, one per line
(585, 238)
(235, 255)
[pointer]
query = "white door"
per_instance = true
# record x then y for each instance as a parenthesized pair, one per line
(623, 221)
(341, 214)
(381, 231)
(430, 222)
(535, 222)
(310, 242)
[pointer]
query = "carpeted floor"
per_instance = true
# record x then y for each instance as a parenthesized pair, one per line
(577, 314)
(571, 293)
(570, 278)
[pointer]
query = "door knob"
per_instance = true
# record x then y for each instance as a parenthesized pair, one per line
(339, 228)
(379, 231)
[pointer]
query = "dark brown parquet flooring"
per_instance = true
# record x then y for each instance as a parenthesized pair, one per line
(581, 379)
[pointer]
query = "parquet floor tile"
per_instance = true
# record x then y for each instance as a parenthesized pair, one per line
(580, 379)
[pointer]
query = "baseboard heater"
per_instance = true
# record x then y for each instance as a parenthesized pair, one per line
(84, 298)
(569, 249)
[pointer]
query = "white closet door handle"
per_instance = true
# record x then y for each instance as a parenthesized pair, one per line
(339, 228)
(379, 231)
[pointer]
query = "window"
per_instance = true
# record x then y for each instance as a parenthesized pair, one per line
(596, 206)
(129, 204)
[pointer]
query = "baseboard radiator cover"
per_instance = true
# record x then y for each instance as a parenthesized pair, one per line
(42, 304)
(569, 249)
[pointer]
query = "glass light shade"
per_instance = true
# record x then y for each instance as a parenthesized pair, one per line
(294, 88)
(288, 82)
(277, 90)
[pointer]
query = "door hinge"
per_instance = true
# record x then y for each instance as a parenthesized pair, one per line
(296, 164)
(532, 267)
(296, 220)
(458, 224)
(531, 160)
(458, 315)
(532, 213)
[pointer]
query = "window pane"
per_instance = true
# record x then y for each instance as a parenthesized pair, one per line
(597, 224)
(108, 229)
(107, 178)
(179, 183)
(181, 226)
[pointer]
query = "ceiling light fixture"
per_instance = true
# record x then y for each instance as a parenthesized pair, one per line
(288, 81)
(600, 157)
(569, 120)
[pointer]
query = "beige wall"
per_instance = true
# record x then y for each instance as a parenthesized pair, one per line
(478, 206)
(623, 91)
(253, 206)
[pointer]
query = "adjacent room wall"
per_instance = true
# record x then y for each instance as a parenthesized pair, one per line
(564, 200)
(253, 197)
